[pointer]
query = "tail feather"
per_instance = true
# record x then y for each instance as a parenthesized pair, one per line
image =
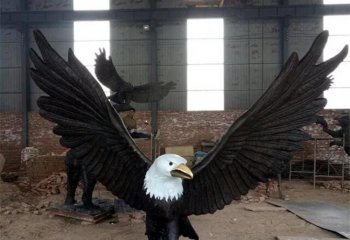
(186, 229)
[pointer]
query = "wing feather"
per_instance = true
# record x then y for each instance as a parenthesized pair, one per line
(219, 198)
(87, 123)
(212, 199)
(241, 186)
(264, 138)
(150, 92)
(107, 74)
(203, 182)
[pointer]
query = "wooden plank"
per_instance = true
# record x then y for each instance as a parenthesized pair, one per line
(81, 216)
(77, 211)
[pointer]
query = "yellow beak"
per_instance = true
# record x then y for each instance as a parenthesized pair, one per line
(182, 171)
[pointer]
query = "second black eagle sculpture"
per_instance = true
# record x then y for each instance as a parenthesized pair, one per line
(262, 140)
(124, 92)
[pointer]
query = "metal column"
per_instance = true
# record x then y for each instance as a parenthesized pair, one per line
(24, 29)
(154, 78)
(284, 25)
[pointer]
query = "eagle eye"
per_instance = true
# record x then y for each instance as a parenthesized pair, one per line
(170, 163)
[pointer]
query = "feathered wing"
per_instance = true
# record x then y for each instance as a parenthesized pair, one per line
(107, 74)
(263, 139)
(88, 124)
(150, 92)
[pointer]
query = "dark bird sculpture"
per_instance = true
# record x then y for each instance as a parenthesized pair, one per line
(76, 172)
(262, 140)
(124, 92)
(342, 135)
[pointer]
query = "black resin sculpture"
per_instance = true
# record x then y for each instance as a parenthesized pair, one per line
(342, 135)
(262, 140)
(76, 172)
(124, 92)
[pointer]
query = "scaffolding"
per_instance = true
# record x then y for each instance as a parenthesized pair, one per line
(319, 165)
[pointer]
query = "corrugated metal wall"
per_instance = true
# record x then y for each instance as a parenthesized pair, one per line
(172, 63)
(301, 33)
(252, 53)
(11, 67)
(10, 70)
(252, 60)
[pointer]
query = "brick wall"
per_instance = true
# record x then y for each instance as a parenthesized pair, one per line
(41, 136)
(10, 139)
(190, 128)
(176, 129)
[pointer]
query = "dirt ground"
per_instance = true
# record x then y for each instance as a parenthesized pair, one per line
(17, 221)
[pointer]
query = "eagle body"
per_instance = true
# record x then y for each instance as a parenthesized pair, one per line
(165, 222)
(259, 142)
(165, 193)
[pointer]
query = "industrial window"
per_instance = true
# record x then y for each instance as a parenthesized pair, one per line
(90, 36)
(205, 64)
(338, 96)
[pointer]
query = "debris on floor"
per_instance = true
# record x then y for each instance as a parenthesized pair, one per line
(26, 210)
(255, 208)
(56, 183)
(135, 217)
(24, 206)
(334, 185)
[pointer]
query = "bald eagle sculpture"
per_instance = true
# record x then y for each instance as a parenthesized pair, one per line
(262, 140)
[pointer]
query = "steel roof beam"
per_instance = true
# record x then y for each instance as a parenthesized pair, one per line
(259, 12)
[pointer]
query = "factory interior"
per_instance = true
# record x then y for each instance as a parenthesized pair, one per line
(83, 81)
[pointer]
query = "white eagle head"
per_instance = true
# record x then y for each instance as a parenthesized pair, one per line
(163, 179)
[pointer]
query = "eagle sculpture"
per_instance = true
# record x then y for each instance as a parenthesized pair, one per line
(124, 92)
(262, 140)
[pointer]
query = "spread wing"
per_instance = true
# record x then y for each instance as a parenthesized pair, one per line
(88, 124)
(108, 75)
(150, 92)
(263, 139)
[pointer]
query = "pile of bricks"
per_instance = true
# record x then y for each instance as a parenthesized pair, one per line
(56, 183)
(261, 188)
(335, 186)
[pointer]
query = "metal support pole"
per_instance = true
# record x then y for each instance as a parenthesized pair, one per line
(154, 78)
(284, 25)
(343, 164)
(25, 76)
(315, 163)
